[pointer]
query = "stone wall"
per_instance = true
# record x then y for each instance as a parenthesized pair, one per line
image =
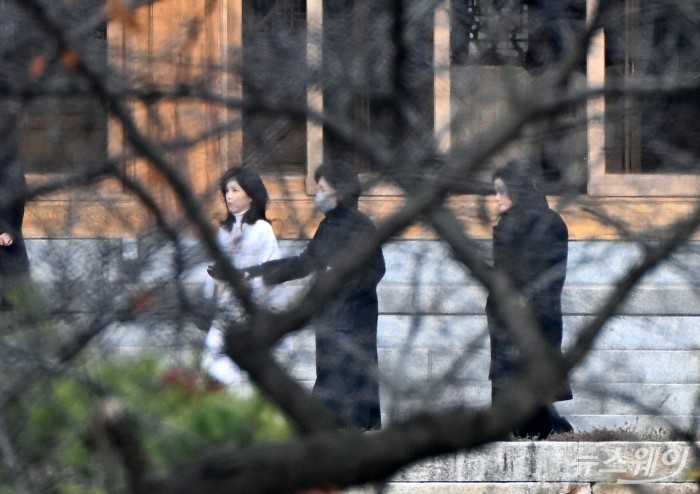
(549, 467)
(643, 372)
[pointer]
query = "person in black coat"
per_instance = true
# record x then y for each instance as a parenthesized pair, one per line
(346, 331)
(530, 246)
(14, 262)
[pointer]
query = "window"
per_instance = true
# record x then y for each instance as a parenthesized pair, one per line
(363, 88)
(488, 32)
(498, 45)
(527, 33)
(350, 69)
(651, 145)
(274, 48)
(62, 126)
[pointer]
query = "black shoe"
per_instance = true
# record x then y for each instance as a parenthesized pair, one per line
(560, 424)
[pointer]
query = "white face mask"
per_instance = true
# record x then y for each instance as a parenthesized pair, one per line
(324, 201)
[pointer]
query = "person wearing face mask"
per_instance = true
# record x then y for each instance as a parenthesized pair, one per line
(530, 246)
(347, 372)
(247, 239)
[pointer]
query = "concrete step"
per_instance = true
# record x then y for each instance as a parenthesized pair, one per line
(554, 461)
(527, 488)
(612, 366)
(464, 331)
(577, 299)
(432, 321)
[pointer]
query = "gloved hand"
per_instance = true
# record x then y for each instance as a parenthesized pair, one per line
(215, 271)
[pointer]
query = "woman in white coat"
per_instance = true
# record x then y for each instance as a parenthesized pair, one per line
(247, 239)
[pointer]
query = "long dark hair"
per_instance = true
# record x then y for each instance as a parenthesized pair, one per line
(522, 191)
(252, 184)
(343, 178)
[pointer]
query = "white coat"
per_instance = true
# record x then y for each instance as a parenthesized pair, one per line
(246, 245)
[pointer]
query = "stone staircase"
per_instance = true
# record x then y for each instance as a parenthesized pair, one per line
(643, 372)
(551, 467)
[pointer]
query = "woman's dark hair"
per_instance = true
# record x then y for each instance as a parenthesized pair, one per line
(343, 178)
(252, 184)
(521, 189)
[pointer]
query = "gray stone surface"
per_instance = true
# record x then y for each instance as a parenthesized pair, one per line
(640, 366)
(528, 488)
(638, 422)
(631, 398)
(444, 331)
(552, 461)
(645, 361)
(478, 488)
(660, 488)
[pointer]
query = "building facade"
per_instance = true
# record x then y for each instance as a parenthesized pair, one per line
(602, 161)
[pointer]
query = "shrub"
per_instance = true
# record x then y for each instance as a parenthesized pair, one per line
(179, 414)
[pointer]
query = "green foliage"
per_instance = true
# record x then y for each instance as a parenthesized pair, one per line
(179, 414)
(53, 420)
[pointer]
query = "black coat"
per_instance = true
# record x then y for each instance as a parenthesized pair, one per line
(346, 331)
(531, 247)
(13, 259)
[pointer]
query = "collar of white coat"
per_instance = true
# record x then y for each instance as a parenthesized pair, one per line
(239, 218)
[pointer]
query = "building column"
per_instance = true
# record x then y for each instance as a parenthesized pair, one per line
(314, 95)
(442, 82)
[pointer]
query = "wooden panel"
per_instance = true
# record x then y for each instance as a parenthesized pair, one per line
(442, 83)
(293, 215)
(233, 143)
(640, 185)
(586, 220)
(314, 132)
(46, 219)
(165, 44)
(600, 181)
(162, 36)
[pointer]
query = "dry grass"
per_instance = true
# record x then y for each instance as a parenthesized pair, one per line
(627, 433)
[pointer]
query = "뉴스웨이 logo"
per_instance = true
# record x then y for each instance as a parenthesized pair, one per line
(640, 465)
